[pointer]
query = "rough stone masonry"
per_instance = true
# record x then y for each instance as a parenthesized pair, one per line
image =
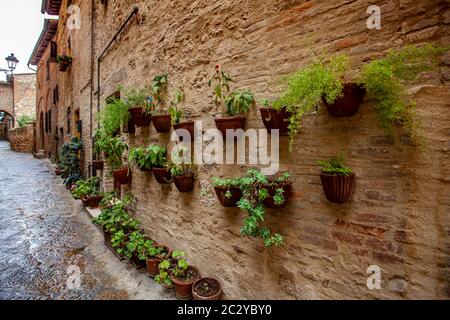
(399, 218)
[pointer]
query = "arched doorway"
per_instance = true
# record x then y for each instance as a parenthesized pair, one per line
(6, 123)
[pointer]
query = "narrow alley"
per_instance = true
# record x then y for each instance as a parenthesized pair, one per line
(49, 249)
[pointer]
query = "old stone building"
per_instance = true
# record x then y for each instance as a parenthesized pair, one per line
(398, 218)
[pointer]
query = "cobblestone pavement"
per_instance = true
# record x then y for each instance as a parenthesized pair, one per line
(46, 237)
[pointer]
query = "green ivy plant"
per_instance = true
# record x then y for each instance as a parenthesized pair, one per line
(335, 166)
(88, 187)
(385, 79)
(254, 187)
(323, 78)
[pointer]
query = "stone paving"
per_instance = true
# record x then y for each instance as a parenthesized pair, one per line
(49, 249)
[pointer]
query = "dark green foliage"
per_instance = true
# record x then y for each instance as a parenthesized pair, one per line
(335, 165)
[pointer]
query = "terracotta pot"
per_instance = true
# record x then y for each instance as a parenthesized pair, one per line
(92, 201)
(152, 263)
(348, 104)
(58, 172)
(188, 125)
(338, 188)
(183, 288)
(162, 122)
(275, 119)
(98, 164)
(184, 183)
(162, 175)
(214, 284)
(139, 118)
(270, 202)
(137, 264)
(122, 176)
(236, 195)
(233, 123)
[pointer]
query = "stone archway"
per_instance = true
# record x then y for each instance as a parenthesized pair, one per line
(6, 122)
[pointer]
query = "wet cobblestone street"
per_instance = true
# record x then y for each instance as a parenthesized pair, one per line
(46, 237)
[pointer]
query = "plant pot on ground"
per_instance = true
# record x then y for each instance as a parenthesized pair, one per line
(207, 289)
(234, 104)
(155, 255)
(184, 281)
(338, 180)
(275, 119)
(92, 201)
(348, 103)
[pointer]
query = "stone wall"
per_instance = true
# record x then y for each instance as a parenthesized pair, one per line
(398, 218)
(24, 95)
(22, 139)
(6, 97)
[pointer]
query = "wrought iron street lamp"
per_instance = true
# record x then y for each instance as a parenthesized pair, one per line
(12, 62)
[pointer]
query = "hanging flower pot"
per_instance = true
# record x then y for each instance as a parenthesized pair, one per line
(92, 201)
(162, 175)
(98, 164)
(207, 289)
(270, 202)
(153, 262)
(275, 119)
(348, 103)
(64, 61)
(187, 125)
(235, 196)
(183, 287)
(184, 183)
(139, 118)
(162, 122)
(338, 188)
(122, 176)
(233, 123)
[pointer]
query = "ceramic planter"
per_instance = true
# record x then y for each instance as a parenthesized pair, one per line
(275, 119)
(188, 125)
(140, 119)
(183, 288)
(269, 202)
(214, 291)
(348, 104)
(338, 188)
(153, 263)
(162, 122)
(236, 195)
(98, 164)
(92, 201)
(122, 176)
(184, 183)
(233, 123)
(162, 175)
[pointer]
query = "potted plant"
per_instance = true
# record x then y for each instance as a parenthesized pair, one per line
(136, 248)
(161, 119)
(139, 106)
(182, 173)
(70, 161)
(274, 119)
(227, 191)
(57, 165)
(385, 80)
(159, 166)
(176, 114)
(155, 255)
(234, 104)
(278, 191)
(88, 191)
(113, 116)
(338, 180)
(113, 148)
(181, 274)
(141, 157)
(207, 289)
(64, 61)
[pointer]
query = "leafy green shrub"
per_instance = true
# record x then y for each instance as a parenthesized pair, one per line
(306, 88)
(141, 157)
(175, 113)
(157, 156)
(335, 165)
(112, 148)
(238, 102)
(137, 245)
(70, 160)
(89, 187)
(384, 80)
(113, 115)
(24, 120)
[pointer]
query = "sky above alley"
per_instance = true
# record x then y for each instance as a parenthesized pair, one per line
(21, 23)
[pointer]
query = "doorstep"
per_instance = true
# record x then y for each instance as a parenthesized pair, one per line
(93, 212)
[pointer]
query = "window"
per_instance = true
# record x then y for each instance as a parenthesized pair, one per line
(50, 121)
(53, 51)
(68, 120)
(48, 70)
(55, 95)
